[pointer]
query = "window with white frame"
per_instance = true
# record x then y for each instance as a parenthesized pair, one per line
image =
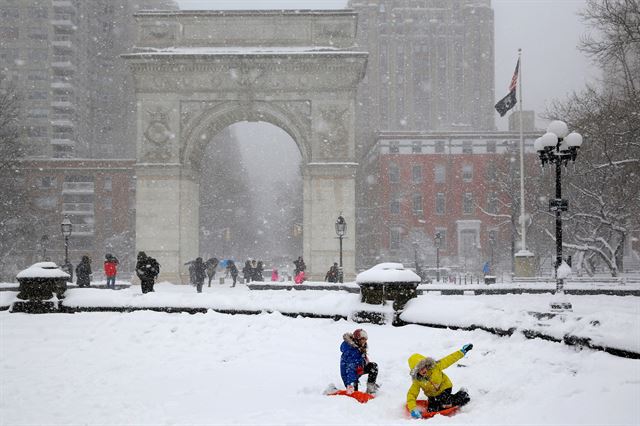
(440, 203)
(417, 204)
(440, 173)
(467, 172)
(395, 238)
(467, 203)
(394, 173)
(467, 147)
(416, 174)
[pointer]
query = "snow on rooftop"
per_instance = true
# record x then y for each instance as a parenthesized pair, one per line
(388, 273)
(42, 270)
(238, 50)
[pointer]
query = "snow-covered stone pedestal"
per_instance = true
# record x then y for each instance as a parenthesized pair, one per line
(388, 281)
(41, 285)
(525, 264)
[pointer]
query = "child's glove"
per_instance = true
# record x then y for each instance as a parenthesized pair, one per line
(466, 348)
(350, 389)
(416, 414)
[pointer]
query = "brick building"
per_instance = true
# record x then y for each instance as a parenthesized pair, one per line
(417, 184)
(98, 196)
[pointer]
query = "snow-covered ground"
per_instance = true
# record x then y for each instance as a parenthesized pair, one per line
(155, 368)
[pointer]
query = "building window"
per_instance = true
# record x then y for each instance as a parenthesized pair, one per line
(46, 182)
(9, 33)
(108, 203)
(416, 174)
(417, 204)
(491, 172)
(467, 147)
(491, 146)
(108, 183)
(394, 206)
(440, 203)
(440, 173)
(439, 147)
(467, 203)
(492, 203)
(467, 172)
(394, 147)
(395, 238)
(394, 173)
(416, 147)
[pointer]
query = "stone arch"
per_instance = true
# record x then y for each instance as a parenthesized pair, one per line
(196, 73)
(214, 119)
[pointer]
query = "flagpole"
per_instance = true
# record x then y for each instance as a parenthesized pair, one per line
(522, 209)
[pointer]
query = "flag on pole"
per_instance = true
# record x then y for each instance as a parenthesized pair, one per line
(509, 101)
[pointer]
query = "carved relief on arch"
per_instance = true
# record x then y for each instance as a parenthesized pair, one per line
(332, 132)
(158, 138)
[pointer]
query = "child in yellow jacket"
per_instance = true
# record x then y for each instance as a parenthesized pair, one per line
(428, 375)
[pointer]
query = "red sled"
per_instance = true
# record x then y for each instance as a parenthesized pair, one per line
(361, 397)
(421, 403)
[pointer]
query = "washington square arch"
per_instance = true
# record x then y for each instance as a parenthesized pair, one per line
(197, 72)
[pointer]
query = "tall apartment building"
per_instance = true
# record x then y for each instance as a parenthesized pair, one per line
(430, 66)
(64, 57)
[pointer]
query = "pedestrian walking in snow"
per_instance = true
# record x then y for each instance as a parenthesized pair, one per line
(147, 269)
(247, 271)
(427, 375)
(258, 273)
(233, 271)
(354, 362)
(300, 266)
(199, 273)
(274, 275)
(332, 274)
(83, 272)
(110, 269)
(211, 265)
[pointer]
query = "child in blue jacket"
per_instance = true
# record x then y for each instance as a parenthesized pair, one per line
(354, 362)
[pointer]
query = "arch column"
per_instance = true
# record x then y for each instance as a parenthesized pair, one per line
(329, 189)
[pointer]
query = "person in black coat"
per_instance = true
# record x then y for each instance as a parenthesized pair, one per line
(233, 270)
(199, 273)
(147, 269)
(211, 266)
(247, 271)
(83, 272)
(300, 266)
(259, 271)
(333, 274)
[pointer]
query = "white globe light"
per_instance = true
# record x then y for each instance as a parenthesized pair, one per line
(564, 147)
(559, 128)
(538, 145)
(574, 139)
(549, 139)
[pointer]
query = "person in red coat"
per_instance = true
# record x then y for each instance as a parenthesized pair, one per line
(110, 270)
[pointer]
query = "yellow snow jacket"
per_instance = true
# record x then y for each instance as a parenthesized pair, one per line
(436, 382)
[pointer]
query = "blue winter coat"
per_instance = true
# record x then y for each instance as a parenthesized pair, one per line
(350, 360)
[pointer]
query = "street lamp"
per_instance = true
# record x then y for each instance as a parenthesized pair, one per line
(43, 244)
(438, 242)
(415, 259)
(558, 146)
(67, 227)
(341, 230)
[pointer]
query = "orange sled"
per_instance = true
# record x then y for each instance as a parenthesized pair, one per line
(421, 403)
(361, 397)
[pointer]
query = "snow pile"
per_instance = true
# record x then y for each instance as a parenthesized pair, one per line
(388, 273)
(42, 270)
(564, 270)
(214, 369)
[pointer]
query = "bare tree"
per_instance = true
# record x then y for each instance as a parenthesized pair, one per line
(604, 189)
(15, 226)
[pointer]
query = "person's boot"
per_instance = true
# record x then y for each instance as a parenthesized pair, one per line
(372, 388)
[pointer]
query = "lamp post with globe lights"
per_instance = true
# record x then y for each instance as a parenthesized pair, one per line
(558, 146)
(438, 239)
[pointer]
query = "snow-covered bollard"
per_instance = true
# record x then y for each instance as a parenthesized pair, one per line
(41, 285)
(388, 281)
